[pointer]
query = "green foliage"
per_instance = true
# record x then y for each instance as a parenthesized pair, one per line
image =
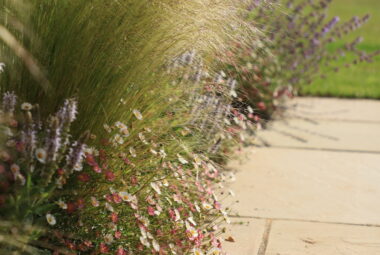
(357, 80)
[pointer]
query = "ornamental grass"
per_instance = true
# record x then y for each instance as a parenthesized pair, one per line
(113, 116)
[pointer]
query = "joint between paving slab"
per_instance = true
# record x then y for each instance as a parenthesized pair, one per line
(306, 220)
(265, 239)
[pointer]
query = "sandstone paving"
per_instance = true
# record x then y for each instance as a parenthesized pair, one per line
(247, 236)
(311, 185)
(350, 110)
(322, 135)
(315, 178)
(300, 238)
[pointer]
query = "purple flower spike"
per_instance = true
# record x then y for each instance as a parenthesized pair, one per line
(330, 25)
(9, 102)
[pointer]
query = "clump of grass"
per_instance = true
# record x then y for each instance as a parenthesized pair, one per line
(104, 52)
(148, 184)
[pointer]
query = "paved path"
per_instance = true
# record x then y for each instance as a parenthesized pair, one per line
(312, 186)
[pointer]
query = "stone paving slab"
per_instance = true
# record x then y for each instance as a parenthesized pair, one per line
(299, 238)
(247, 235)
(309, 185)
(331, 135)
(336, 109)
(318, 185)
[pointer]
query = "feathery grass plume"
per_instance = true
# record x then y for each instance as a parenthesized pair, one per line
(147, 185)
(102, 52)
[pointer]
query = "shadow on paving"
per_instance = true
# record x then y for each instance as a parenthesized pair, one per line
(311, 184)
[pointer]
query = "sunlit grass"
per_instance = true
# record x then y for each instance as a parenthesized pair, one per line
(362, 80)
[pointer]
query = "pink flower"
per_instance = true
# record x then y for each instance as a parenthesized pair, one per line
(117, 234)
(97, 169)
(103, 248)
(217, 205)
(110, 176)
(90, 160)
(134, 180)
(60, 171)
(109, 198)
(116, 198)
(120, 251)
(150, 211)
(80, 203)
(261, 106)
(172, 214)
(71, 207)
(83, 177)
(114, 217)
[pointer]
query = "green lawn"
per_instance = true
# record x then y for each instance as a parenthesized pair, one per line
(362, 80)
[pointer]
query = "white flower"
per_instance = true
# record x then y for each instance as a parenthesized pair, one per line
(109, 207)
(2, 65)
(142, 138)
(191, 233)
(132, 151)
(120, 125)
(78, 167)
(51, 219)
(144, 221)
(15, 168)
(156, 245)
(26, 106)
(143, 232)
(197, 160)
(162, 153)
(125, 196)
(137, 114)
(94, 202)
(21, 178)
(191, 220)
(107, 128)
(60, 181)
(41, 155)
(62, 204)
(225, 216)
(206, 206)
(165, 182)
(155, 187)
(124, 132)
(182, 160)
(117, 138)
(10, 143)
(214, 251)
(144, 241)
(177, 215)
(108, 238)
(197, 251)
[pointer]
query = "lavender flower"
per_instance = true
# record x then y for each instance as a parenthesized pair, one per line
(67, 114)
(53, 140)
(76, 154)
(9, 102)
(330, 25)
(28, 138)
